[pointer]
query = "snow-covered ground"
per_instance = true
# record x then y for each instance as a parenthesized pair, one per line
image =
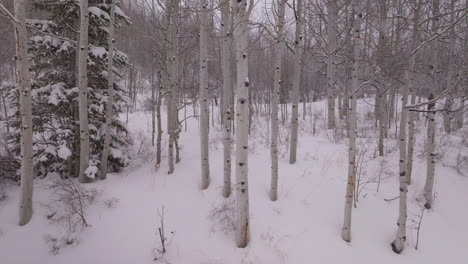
(303, 226)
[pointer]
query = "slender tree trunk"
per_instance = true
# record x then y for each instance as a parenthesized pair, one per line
(299, 43)
(204, 110)
(159, 121)
(5, 109)
(399, 243)
(26, 133)
(346, 231)
(173, 80)
(431, 127)
(451, 81)
(332, 17)
(241, 17)
(227, 91)
(411, 136)
(381, 50)
(83, 96)
(275, 99)
(110, 98)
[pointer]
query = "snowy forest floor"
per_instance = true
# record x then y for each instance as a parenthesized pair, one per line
(303, 226)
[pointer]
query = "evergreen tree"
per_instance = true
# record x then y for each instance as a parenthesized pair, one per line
(53, 51)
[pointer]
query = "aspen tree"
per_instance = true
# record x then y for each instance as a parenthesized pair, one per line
(431, 126)
(332, 31)
(173, 66)
(298, 43)
(110, 87)
(204, 110)
(399, 243)
(241, 18)
(83, 91)
(275, 99)
(26, 133)
(227, 91)
(357, 46)
(380, 96)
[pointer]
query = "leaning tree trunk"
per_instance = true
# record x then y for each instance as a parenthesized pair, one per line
(275, 100)
(299, 42)
(241, 17)
(332, 32)
(83, 88)
(204, 110)
(399, 243)
(346, 231)
(22, 64)
(227, 91)
(110, 87)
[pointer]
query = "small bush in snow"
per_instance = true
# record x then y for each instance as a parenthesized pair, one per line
(112, 202)
(68, 206)
(223, 216)
(163, 237)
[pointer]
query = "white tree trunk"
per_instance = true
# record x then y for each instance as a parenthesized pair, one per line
(332, 32)
(451, 81)
(431, 127)
(357, 46)
(204, 110)
(241, 17)
(83, 87)
(22, 64)
(399, 243)
(275, 99)
(227, 91)
(380, 95)
(110, 88)
(173, 66)
(298, 43)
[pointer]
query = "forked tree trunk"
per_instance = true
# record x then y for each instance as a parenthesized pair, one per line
(110, 88)
(299, 43)
(275, 100)
(227, 91)
(350, 187)
(26, 133)
(204, 110)
(241, 17)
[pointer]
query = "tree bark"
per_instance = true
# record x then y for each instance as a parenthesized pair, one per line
(204, 110)
(227, 91)
(332, 31)
(22, 64)
(173, 66)
(350, 188)
(431, 127)
(399, 243)
(83, 96)
(275, 99)
(298, 43)
(241, 17)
